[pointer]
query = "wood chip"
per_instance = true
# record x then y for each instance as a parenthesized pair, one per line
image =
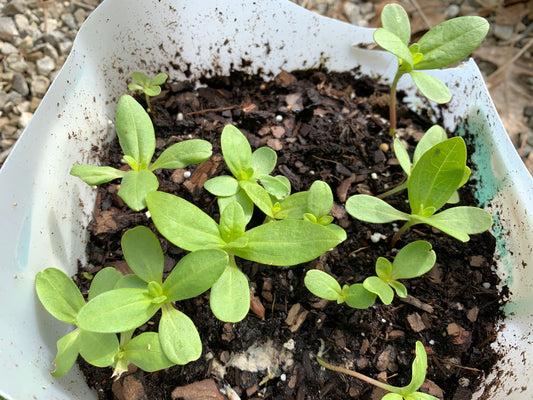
(413, 301)
(284, 79)
(432, 388)
(344, 186)
(461, 338)
(256, 307)
(203, 390)
(296, 317)
(202, 173)
(416, 323)
(129, 388)
(472, 314)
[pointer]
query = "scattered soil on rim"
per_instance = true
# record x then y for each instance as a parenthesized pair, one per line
(332, 127)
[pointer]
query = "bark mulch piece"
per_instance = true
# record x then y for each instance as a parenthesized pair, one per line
(333, 127)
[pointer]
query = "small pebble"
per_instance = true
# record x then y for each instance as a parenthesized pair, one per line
(187, 174)
(279, 118)
(464, 382)
(376, 237)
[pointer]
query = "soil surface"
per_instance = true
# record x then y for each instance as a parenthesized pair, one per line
(333, 127)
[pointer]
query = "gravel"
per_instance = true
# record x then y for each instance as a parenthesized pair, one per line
(32, 50)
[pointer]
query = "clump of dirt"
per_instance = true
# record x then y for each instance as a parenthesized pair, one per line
(332, 127)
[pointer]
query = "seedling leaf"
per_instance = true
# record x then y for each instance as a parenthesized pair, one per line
(178, 336)
(403, 157)
(383, 290)
(230, 295)
(223, 185)
(94, 175)
(104, 280)
(146, 352)
(323, 285)
(118, 310)
(413, 260)
(135, 186)
(419, 366)
(182, 154)
(277, 186)
(236, 151)
(159, 79)
(292, 207)
(320, 199)
(98, 349)
(393, 44)
(67, 352)
(371, 209)
(395, 20)
(232, 222)
(194, 274)
(431, 87)
(259, 196)
(135, 131)
(358, 297)
(263, 161)
(59, 295)
(143, 253)
(432, 137)
(141, 78)
(436, 176)
(286, 242)
(183, 223)
(460, 222)
(451, 41)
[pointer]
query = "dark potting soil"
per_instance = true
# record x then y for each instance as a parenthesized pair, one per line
(333, 127)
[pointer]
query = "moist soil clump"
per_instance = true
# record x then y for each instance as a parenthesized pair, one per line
(332, 127)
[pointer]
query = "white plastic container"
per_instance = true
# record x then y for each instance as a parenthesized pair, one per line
(44, 210)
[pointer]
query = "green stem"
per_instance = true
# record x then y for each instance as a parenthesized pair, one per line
(397, 189)
(397, 235)
(392, 107)
(149, 104)
(125, 337)
(357, 375)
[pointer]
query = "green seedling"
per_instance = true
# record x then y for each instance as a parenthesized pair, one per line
(248, 170)
(409, 392)
(283, 243)
(150, 87)
(439, 172)
(136, 136)
(136, 298)
(61, 298)
(313, 205)
(441, 46)
(413, 260)
(433, 136)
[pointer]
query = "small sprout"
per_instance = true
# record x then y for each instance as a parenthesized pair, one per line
(436, 176)
(441, 46)
(248, 170)
(136, 298)
(150, 87)
(120, 304)
(412, 261)
(409, 392)
(434, 135)
(136, 136)
(313, 205)
(286, 242)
